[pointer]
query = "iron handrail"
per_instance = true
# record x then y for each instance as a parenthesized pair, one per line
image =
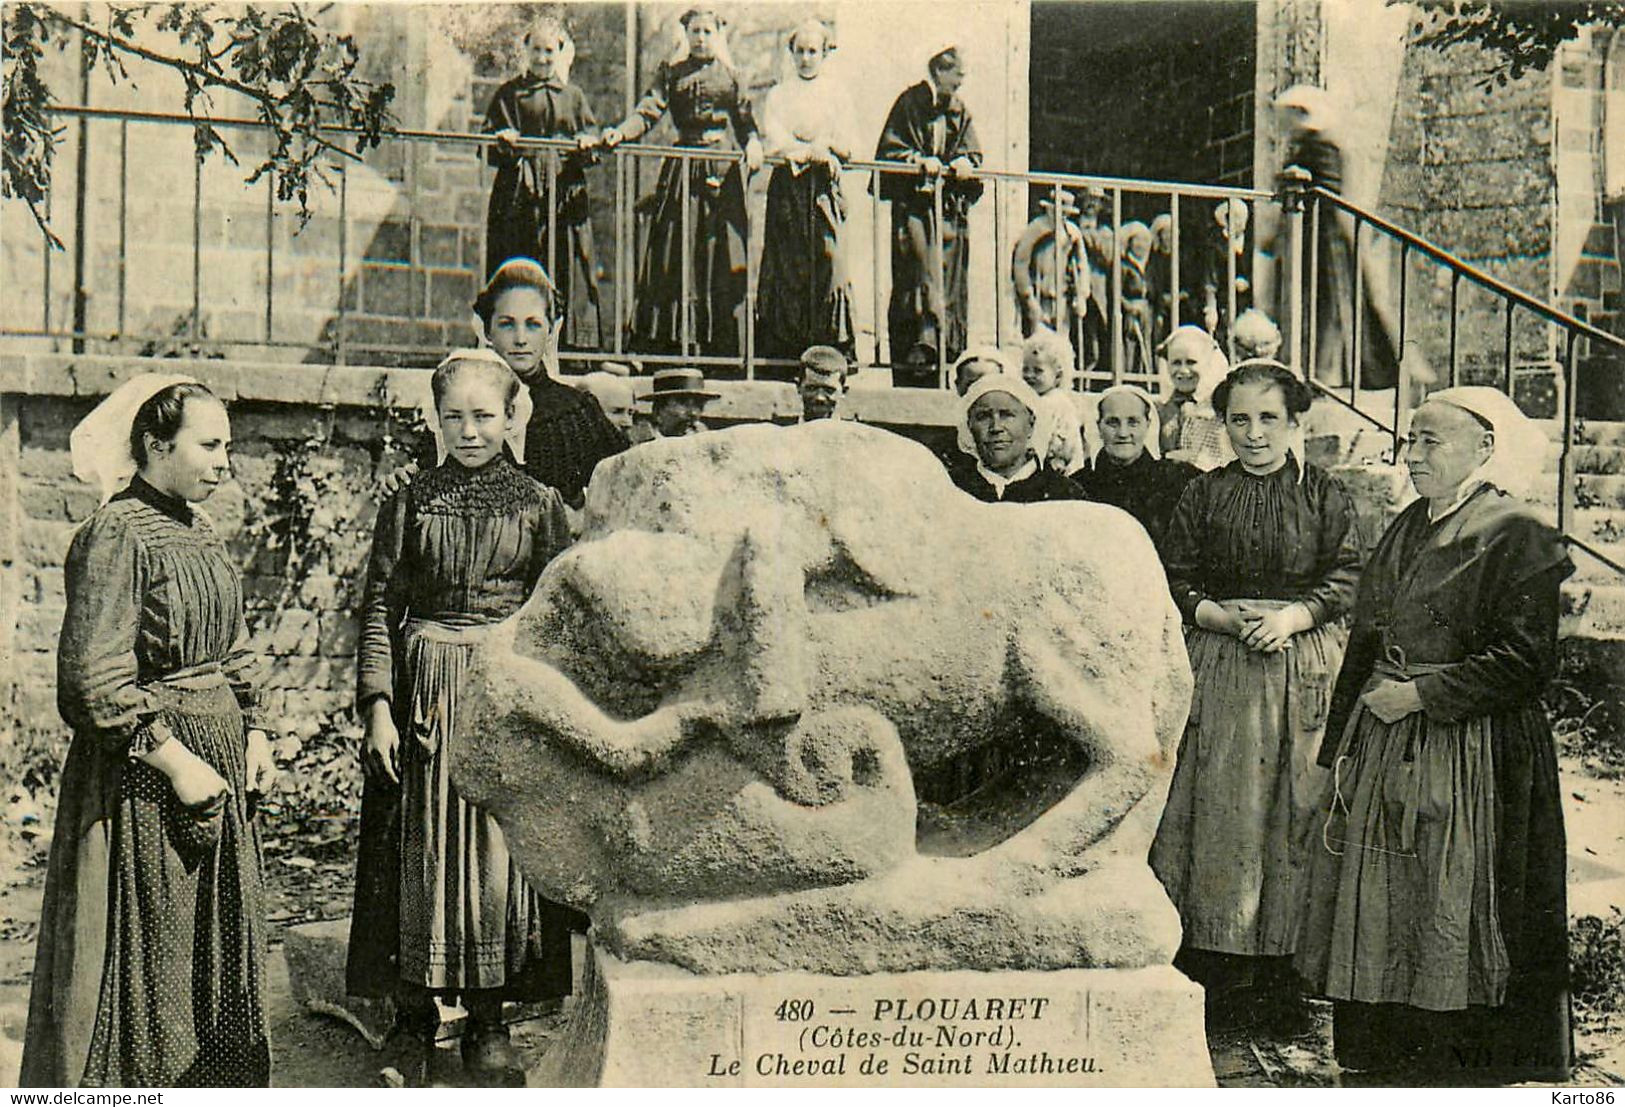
(1467, 269)
(570, 145)
(1573, 328)
(625, 156)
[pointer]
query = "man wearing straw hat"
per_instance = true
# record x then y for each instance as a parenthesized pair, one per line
(678, 397)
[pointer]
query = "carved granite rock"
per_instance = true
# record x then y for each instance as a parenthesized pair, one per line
(708, 725)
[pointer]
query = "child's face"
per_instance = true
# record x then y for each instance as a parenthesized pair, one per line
(542, 53)
(473, 418)
(1183, 363)
(1041, 376)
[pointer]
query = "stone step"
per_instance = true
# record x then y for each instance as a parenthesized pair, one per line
(1601, 460)
(1593, 609)
(1598, 490)
(1587, 432)
(1603, 527)
(1598, 432)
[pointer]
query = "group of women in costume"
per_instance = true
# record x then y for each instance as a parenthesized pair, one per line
(696, 219)
(1365, 802)
(150, 969)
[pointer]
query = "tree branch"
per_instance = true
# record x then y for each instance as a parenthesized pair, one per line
(208, 76)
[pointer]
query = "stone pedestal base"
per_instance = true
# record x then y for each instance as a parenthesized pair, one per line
(646, 1024)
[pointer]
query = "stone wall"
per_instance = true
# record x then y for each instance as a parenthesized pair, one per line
(1470, 168)
(1171, 98)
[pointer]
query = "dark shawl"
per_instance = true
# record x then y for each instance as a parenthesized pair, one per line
(907, 136)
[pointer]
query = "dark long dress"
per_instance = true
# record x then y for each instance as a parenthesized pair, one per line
(567, 435)
(1228, 849)
(710, 110)
(922, 124)
(1332, 282)
(1440, 923)
(1148, 488)
(150, 970)
(439, 903)
(803, 296)
(516, 219)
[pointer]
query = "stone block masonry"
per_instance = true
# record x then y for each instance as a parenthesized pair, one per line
(1470, 167)
(303, 596)
(303, 601)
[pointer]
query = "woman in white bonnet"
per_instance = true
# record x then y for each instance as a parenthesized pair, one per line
(1003, 429)
(1437, 917)
(150, 968)
(1128, 471)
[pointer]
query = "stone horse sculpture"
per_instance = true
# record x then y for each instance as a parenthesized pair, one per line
(706, 726)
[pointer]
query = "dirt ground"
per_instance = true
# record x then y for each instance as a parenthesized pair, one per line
(314, 1050)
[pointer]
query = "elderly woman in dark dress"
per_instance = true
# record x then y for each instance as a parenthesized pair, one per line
(1002, 424)
(441, 908)
(542, 103)
(1128, 471)
(1262, 557)
(1437, 917)
(707, 102)
(150, 969)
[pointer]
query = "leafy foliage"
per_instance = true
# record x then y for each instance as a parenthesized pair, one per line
(1526, 34)
(1597, 968)
(31, 764)
(301, 523)
(300, 520)
(313, 814)
(1588, 721)
(299, 78)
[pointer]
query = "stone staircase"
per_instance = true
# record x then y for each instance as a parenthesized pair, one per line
(1594, 597)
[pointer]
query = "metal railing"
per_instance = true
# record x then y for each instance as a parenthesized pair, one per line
(1010, 197)
(1558, 336)
(1302, 212)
